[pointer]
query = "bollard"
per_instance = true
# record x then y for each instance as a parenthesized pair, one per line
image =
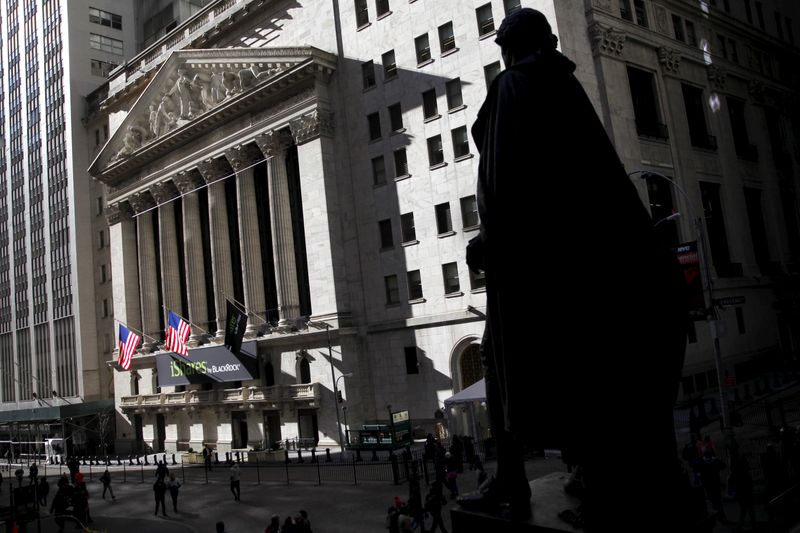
(82, 460)
(286, 460)
(313, 455)
(216, 458)
(238, 459)
(395, 469)
(155, 459)
(119, 462)
(173, 460)
(328, 455)
(138, 460)
(300, 456)
(374, 455)
(130, 459)
(145, 460)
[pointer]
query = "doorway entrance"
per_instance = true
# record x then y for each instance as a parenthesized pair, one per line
(307, 425)
(239, 426)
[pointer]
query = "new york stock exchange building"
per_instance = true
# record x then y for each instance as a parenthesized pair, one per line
(313, 167)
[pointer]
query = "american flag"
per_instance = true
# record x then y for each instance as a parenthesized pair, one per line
(128, 342)
(177, 333)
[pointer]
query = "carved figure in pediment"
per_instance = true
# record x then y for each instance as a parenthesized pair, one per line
(188, 95)
(230, 83)
(154, 122)
(167, 114)
(216, 88)
(202, 81)
(131, 141)
(250, 76)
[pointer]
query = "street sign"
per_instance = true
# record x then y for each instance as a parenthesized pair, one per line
(399, 416)
(729, 301)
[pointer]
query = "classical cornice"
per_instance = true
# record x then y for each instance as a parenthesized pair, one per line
(164, 191)
(670, 59)
(242, 156)
(310, 126)
(273, 143)
(213, 168)
(197, 90)
(141, 201)
(116, 213)
(188, 181)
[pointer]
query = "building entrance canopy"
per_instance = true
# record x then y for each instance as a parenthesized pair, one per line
(56, 412)
(207, 365)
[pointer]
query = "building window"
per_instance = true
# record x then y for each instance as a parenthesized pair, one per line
(105, 307)
(378, 170)
(97, 137)
(733, 50)
(385, 229)
(429, 107)
(395, 117)
(435, 151)
(400, 163)
(715, 228)
(447, 40)
(392, 292)
(677, 25)
(450, 276)
(368, 74)
(305, 371)
(412, 362)
(444, 224)
(423, 47)
(741, 140)
(362, 13)
(477, 280)
(511, 5)
(106, 44)
(748, 11)
(645, 104)
(414, 285)
(408, 232)
(460, 142)
(625, 10)
(779, 25)
(485, 20)
(103, 278)
(104, 18)
(641, 13)
(760, 15)
(101, 239)
(374, 124)
(389, 65)
(469, 212)
(454, 98)
(99, 206)
(102, 68)
(691, 34)
(105, 132)
(490, 72)
(758, 231)
(696, 118)
(381, 7)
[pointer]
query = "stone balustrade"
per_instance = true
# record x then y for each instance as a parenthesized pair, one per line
(305, 392)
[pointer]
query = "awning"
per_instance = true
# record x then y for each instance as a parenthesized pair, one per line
(474, 393)
(56, 412)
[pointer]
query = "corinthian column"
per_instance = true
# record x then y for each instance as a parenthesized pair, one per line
(143, 204)
(187, 183)
(274, 145)
(213, 170)
(241, 159)
(170, 266)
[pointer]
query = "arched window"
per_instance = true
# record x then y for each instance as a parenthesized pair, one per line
(305, 371)
(471, 366)
(269, 374)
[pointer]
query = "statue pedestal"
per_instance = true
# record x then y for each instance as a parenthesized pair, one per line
(548, 500)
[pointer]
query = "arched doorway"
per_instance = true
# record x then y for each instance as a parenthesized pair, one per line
(470, 366)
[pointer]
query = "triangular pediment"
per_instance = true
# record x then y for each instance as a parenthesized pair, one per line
(193, 91)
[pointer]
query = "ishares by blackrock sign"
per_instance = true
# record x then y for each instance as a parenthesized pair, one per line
(209, 364)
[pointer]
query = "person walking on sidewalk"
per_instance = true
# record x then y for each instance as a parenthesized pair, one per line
(159, 491)
(173, 485)
(105, 479)
(433, 506)
(207, 458)
(235, 477)
(42, 491)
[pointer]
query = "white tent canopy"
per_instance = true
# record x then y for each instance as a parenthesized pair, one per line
(474, 393)
(466, 412)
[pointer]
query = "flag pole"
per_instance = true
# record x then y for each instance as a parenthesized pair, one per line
(142, 333)
(184, 319)
(243, 309)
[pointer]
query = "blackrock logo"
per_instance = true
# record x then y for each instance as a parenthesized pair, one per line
(230, 367)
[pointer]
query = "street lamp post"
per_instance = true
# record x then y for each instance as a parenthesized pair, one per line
(336, 392)
(333, 376)
(712, 316)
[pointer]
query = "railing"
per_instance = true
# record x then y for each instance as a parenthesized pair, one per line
(265, 394)
(172, 398)
(303, 391)
(200, 396)
(130, 401)
(234, 395)
(152, 399)
(274, 394)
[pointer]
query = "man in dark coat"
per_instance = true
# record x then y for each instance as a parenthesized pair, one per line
(600, 290)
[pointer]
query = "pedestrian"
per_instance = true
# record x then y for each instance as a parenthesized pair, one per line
(274, 525)
(709, 475)
(433, 506)
(404, 522)
(161, 470)
(306, 521)
(220, 527)
(105, 479)
(59, 508)
(33, 473)
(235, 477)
(540, 140)
(159, 491)
(80, 502)
(392, 518)
(74, 467)
(452, 476)
(42, 491)
(19, 473)
(173, 485)
(207, 457)
(288, 526)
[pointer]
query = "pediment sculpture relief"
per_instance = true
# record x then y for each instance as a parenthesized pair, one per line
(193, 91)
